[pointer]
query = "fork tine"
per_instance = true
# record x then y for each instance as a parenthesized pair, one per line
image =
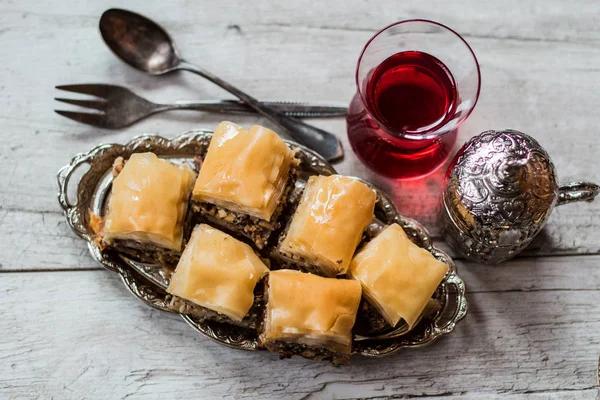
(98, 105)
(93, 89)
(99, 120)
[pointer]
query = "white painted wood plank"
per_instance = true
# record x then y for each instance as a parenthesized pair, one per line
(44, 241)
(81, 334)
(533, 274)
(512, 19)
(59, 249)
(40, 241)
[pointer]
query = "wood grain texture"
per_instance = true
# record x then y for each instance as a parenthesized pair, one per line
(71, 330)
(282, 55)
(90, 338)
(30, 240)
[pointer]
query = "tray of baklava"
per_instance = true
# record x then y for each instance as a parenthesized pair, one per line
(260, 245)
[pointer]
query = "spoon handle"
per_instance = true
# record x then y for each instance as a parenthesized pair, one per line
(324, 143)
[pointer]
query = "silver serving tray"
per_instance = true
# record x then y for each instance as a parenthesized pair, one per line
(148, 282)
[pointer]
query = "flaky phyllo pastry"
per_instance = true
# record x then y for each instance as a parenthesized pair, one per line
(147, 208)
(244, 180)
(309, 315)
(301, 291)
(397, 277)
(328, 224)
(216, 278)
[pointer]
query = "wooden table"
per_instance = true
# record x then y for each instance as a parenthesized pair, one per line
(69, 329)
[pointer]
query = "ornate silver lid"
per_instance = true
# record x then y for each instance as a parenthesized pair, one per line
(501, 188)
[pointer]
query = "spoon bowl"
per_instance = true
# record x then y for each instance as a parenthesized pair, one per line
(139, 42)
(144, 45)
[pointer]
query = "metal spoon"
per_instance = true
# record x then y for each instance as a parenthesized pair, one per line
(146, 46)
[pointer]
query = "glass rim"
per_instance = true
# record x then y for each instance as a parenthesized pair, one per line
(411, 135)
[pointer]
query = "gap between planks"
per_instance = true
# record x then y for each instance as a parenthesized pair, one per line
(84, 269)
(510, 38)
(559, 393)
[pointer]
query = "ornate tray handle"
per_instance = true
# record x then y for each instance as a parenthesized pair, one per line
(71, 210)
(460, 310)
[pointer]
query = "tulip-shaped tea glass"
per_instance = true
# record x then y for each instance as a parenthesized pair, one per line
(417, 81)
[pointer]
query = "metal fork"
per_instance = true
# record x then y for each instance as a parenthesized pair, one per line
(120, 107)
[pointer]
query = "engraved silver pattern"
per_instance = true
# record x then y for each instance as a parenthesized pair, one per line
(148, 282)
(501, 189)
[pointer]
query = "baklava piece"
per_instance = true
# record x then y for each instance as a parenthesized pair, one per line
(327, 226)
(216, 278)
(245, 180)
(310, 316)
(397, 277)
(147, 209)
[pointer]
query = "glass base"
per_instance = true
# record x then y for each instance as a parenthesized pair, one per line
(389, 155)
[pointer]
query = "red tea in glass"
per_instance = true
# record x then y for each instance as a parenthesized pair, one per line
(412, 91)
(403, 121)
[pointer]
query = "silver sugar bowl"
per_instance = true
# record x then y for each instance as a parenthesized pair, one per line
(501, 188)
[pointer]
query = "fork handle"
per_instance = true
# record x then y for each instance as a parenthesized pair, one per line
(289, 108)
